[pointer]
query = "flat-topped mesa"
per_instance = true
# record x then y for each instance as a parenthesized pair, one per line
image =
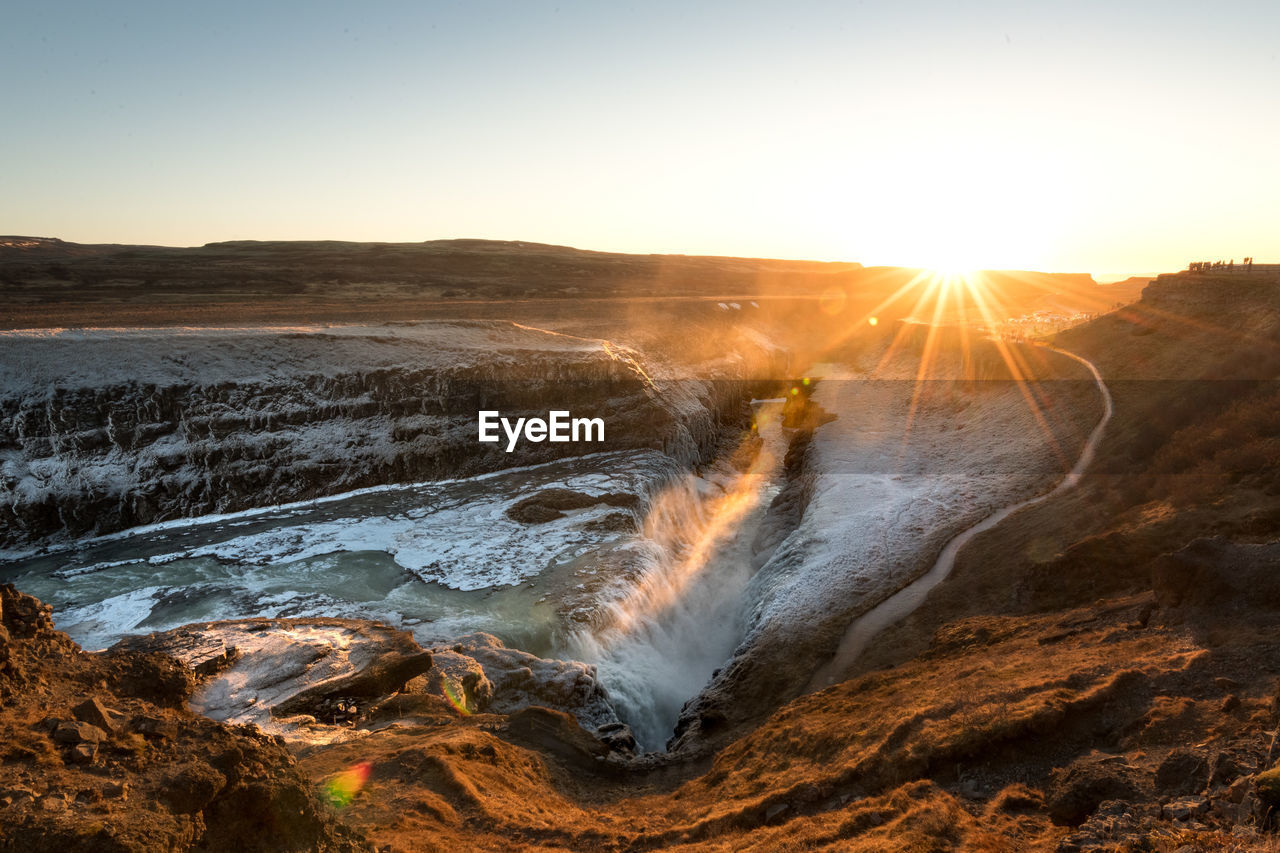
(37, 267)
(1259, 288)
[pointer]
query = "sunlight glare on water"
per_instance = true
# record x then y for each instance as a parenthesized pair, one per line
(660, 641)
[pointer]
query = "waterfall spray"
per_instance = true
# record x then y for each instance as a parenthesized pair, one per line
(660, 641)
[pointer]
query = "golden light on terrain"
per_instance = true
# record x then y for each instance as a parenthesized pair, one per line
(695, 536)
(965, 303)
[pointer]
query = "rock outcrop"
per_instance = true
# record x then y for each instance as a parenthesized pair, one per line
(324, 671)
(97, 753)
(508, 681)
(101, 431)
(323, 680)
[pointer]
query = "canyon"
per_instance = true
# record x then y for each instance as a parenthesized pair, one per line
(1095, 668)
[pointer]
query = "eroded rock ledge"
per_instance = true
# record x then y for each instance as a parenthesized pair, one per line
(319, 680)
(110, 429)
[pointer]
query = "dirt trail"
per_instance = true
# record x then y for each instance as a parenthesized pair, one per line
(904, 602)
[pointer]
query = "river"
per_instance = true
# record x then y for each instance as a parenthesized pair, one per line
(629, 590)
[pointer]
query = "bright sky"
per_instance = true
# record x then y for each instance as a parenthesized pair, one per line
(1084, 136)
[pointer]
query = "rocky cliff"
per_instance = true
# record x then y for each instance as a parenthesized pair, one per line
(105, 430)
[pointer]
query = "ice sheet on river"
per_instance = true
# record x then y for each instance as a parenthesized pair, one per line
(427, 553)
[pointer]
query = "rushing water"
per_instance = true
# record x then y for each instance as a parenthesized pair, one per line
(653, 599)
(661, 639)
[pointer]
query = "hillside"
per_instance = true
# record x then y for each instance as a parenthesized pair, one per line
(49, 283)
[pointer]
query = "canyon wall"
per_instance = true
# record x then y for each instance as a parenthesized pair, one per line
(106, 430)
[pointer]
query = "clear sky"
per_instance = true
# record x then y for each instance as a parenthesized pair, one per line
(1085, 136)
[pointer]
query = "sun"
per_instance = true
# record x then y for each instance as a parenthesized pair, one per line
(953, 285)
(954, 248)
(952, 274)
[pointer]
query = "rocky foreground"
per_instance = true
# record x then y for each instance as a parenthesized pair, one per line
(185, 739)
(1141, 722)
(101, 753)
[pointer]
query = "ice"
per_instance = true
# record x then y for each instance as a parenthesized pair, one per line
(97, 625)
(442, 556)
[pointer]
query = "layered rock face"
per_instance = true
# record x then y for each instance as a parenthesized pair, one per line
(102, 430)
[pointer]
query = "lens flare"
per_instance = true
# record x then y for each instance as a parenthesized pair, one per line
(457, 697)
(342, 789)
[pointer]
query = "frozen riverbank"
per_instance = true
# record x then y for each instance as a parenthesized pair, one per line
(443, 558)
(897, 606)
(913, 458)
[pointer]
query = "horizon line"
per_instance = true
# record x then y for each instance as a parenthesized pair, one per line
(1113, 275)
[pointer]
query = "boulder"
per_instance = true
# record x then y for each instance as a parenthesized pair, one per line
(1185, 809)
(192, 787)
(1267, 784)
(23, 616)
(154, 727)
(458, 678)
(1182, 773)
(291, 668)
(74, 731)
(1076, 791)
(519, 680)
(95, 713)
(618, 737)
(384, 675)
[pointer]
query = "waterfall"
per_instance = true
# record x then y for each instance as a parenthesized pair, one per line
(659, 641)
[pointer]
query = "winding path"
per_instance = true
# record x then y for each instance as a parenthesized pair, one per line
(903, 602)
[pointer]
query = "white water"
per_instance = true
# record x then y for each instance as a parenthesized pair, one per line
(656, 609)
(662, 637)
(904, 602)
